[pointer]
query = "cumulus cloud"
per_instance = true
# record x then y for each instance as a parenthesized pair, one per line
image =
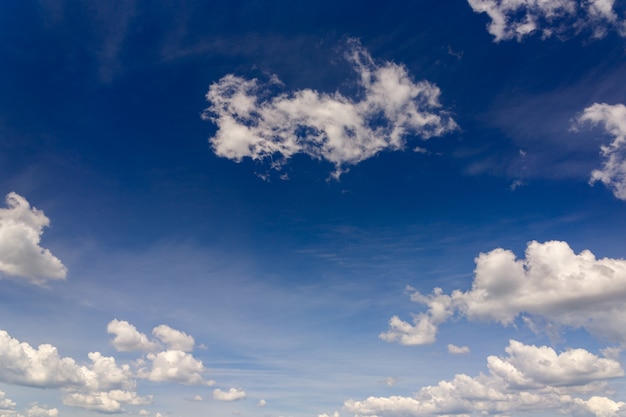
(37, 411)
(6, 403)
(325, 126)
(175, 366)
(530, 378)
(551, 288)
(21, 228)
(106, 402)
(128, 338)
(261, 403)
(174, 339)
(458, 350)
(233, 394)
(520, 18)
(612, 118)
(103, 385)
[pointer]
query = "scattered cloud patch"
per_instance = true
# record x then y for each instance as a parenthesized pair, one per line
(37, 411)
(551, 288)
(103, 386)
(128, 338)
(529, 379)
(612, 118)
(458, 350)
(21, 228)
(332, 127)
(174, 339)
(233, 394)
(521, 18)
(261, 403)
(175, 366)
(6, 403)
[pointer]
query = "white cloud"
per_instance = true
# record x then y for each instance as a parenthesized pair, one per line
(174, 339)
(6, 403)
(325, 126)
(106, 402)
(128, 338)
(261, 403)
(175, 366)
(551, 288)
(613, 119)
(233, 394)
(102, 386)
(458, 350)
(530, 378)
(601, 406)
(37, 411)
(21, 228)
(515, 19)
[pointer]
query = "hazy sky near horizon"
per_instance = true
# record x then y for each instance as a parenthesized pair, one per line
(312, 208)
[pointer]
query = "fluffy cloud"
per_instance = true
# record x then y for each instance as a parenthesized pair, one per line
(106, 402)
(515, 19)
(613, 119)
(21, 227)
(175, 366)
(128, 338)
(103, 385)
(552, 287)
(6, 403)
(458, 350)
(232, 394)
(174, 339)
(37, 411)
(325, 126)
(529, 378)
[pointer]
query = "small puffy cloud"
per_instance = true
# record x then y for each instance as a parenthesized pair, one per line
(600, 406)
(175, 366)
(37, 411)
(174, 339)
(128, 338)
(325, 126)
(552, 287)
(197, 398)
(6, 403)
(21, 228)
(233, 394)
(521, 18)
(261, 403)
(458, 350)
(612, 118)
(529, 379)
(335, 414)
(105, 402)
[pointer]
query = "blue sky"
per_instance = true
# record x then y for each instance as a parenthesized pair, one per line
(312, 209)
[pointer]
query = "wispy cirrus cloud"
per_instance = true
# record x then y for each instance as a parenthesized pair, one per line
(518, 19)
(552, 287)
(326, 126)
(612, 118)
(21, 228)
(529, 378)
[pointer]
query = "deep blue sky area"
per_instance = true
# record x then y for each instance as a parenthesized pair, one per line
(322, 208)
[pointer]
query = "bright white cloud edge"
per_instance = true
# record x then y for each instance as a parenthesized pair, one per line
(520, 18)
(325, 126)
(551, 288)
(612, 118)
(529, 379)
(21, 228)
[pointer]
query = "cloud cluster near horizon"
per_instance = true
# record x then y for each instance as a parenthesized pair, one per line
(325, 126)
(521, 18)
(529, 378)
(21, 228)
(103, 385)
(551, 288)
